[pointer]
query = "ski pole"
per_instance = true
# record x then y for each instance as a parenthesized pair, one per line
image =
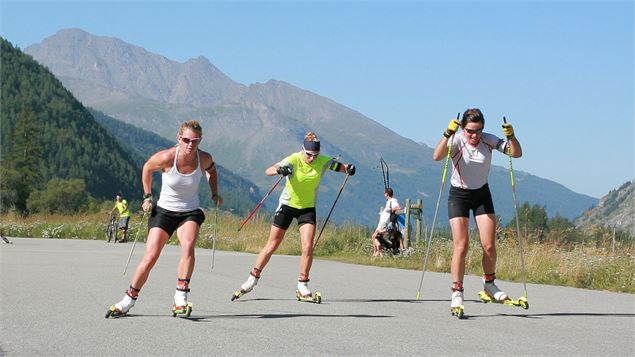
(436, 211)
(331, 210)
(520, 239)
(385, 172)
(215, 232)
(260, 203)
(135, 242)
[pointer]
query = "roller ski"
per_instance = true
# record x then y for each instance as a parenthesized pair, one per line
(247, 287)
(520, 302)
(456, 305)
(317, 298)
(6, 240)
(121, 308)
(181, 305)
(304, 294)
(182, 309)
(491, 293)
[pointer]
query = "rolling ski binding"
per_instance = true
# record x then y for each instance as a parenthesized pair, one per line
(114, 312)
(520, 302)
(182, 310)
(458, 311)
(315, 298)
(237, 295)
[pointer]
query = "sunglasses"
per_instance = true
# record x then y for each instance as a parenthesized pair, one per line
(474, 131)
(194, 141)
(311, 155)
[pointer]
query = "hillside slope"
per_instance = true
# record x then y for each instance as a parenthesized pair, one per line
(616, 209)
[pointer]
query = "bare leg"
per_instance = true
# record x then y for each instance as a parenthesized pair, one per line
(307, 232)
(486, 224)
(275, 238)
(187, 234)
(460, 239)
(157, 238)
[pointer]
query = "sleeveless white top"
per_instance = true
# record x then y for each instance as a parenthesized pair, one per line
(179, 192)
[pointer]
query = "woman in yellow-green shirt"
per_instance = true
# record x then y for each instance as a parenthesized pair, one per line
(303, 170)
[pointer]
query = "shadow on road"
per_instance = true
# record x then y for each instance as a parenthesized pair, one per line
(557, 314)
(277, 316)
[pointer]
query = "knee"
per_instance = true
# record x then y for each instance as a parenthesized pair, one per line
(187, 248)
(307, 248)
(461, 248)
(149, 260)
(489, 249)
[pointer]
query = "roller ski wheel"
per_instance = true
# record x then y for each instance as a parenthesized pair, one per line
(237, 295)
(114, 312)
(520, 302)
(182, 310)
(314, 298)
(458, 311)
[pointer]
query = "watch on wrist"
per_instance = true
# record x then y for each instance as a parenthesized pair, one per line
(147, 195)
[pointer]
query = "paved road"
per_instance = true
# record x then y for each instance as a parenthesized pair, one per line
(55, 294)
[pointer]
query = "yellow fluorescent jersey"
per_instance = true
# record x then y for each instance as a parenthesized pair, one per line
(300, 190)
(122, 207)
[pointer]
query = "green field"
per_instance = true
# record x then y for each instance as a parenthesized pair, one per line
(596, 263)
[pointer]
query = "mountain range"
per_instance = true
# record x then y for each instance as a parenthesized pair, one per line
(248, 128)
(616, 209)
(48, 134)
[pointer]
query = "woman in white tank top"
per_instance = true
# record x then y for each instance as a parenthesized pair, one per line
(177, 209)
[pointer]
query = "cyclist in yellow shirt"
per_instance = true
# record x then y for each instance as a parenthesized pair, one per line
(121, 206)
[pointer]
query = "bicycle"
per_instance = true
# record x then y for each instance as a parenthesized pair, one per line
(111, 229)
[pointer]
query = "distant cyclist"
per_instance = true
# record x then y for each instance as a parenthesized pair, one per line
(121, 206)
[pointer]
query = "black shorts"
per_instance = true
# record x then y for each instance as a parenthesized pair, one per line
(169, 221)
(285, 214)
(461, 201)
(123, 222)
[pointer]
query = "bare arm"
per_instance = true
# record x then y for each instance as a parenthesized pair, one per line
(208, 164)
(514, 146)
(441, 150)
(156, 162)
(272, 170)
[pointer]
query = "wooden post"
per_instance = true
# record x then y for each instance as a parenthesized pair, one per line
(418, 219)
(406, 239)
(613, 244)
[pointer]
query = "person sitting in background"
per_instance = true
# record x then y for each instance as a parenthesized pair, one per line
(390, 210)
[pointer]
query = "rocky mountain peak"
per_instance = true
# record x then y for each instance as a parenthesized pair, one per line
(119, 68)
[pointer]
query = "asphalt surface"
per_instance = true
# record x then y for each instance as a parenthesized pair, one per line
(55, 293)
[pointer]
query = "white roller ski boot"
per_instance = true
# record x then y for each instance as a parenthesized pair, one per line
(456, 303)
(491, 290)
(491, 293)
(248, 286)
(122, 307)
(181, 305)
(304, 294)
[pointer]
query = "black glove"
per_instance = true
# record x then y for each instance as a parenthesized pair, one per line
(284, 170)
(350, 169)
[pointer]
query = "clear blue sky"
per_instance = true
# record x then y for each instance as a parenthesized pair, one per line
(562, 73)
